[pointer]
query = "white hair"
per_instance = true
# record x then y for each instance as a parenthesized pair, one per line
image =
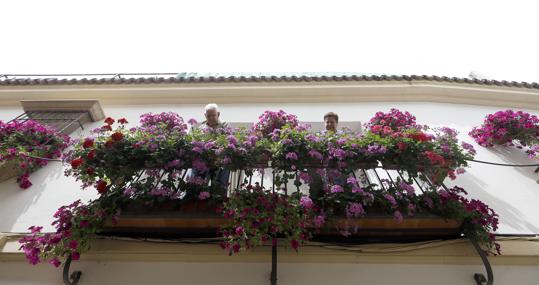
(211, 106)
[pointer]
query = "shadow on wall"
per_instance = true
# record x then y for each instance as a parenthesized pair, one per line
(15, 203)
(508, 214)
(513, 155)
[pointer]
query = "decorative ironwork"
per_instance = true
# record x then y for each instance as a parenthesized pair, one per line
(63, 121)
(479, 277)
(72, 279)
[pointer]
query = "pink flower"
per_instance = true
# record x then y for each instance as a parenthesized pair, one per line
(203, 195)
(351, 180)
(305, 177)
(319, 221)
(357, 190)
(55, 261)
(295, 244)
(306, 202)
(200, 165)
(390, 199)
(354, 210)
(192, 121)
(337, 189)
(291, 156)
(75, 255)
(398, 217)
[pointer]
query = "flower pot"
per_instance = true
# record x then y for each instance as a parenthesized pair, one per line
(9, 169)
(385, 227)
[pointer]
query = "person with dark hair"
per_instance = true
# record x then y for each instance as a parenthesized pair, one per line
(331, 121)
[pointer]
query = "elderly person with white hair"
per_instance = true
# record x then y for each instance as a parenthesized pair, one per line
(212, 122)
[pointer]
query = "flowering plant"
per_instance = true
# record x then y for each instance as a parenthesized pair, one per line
(504, 127)
(150, 163)
(256, 216)
(355, 199)
(393, 121)
(270, 121)
(75, 224)
(297, 149)
(31, 145)
(242, 150)
(479, 219)
(509, 127)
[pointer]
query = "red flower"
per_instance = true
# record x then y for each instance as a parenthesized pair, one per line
(123, 121)
(420, 137)
(117, 136)
(106, 128)
(109, 121)
(91, 155)
(402, 145)
(435, 158)
(295, 244)
(75, 163)
(90, 171)
(88, 143)
(109, 143)
(101, 186)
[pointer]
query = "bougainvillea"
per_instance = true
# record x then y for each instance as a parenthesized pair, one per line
(31, 145)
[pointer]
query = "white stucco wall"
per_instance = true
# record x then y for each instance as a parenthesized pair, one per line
(164, 273)
(512, 192)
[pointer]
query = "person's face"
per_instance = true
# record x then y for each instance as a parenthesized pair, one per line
(331, 124)
(212, 117)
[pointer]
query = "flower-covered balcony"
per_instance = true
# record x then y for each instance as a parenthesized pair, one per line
(275, 183)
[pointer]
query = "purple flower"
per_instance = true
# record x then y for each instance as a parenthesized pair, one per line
(306, 202)
(358, 190)
(192, 121)
(203, 195)
(316, 155)
(129, 191)
(398, 217)
(468, 147)
(291, 156)
(390, 199)
(354, 210)
(226, 160)
(337, 189)
(200, 165)
(239, 230)
(55, 262)
(351, 180)
(305, 177)
(319, 221)
(407, 187)
(376, 149)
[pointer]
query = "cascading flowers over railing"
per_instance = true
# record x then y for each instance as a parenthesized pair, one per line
(28, 145)
(162, 161)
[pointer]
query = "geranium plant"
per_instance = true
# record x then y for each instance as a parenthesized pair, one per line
(271, 120)
(507, 128)
(31, 145)
(257, 216)
(160, 161)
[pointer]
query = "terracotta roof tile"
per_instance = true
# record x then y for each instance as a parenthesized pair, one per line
(47, 80)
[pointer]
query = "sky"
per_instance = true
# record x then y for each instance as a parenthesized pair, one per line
(496, 39)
